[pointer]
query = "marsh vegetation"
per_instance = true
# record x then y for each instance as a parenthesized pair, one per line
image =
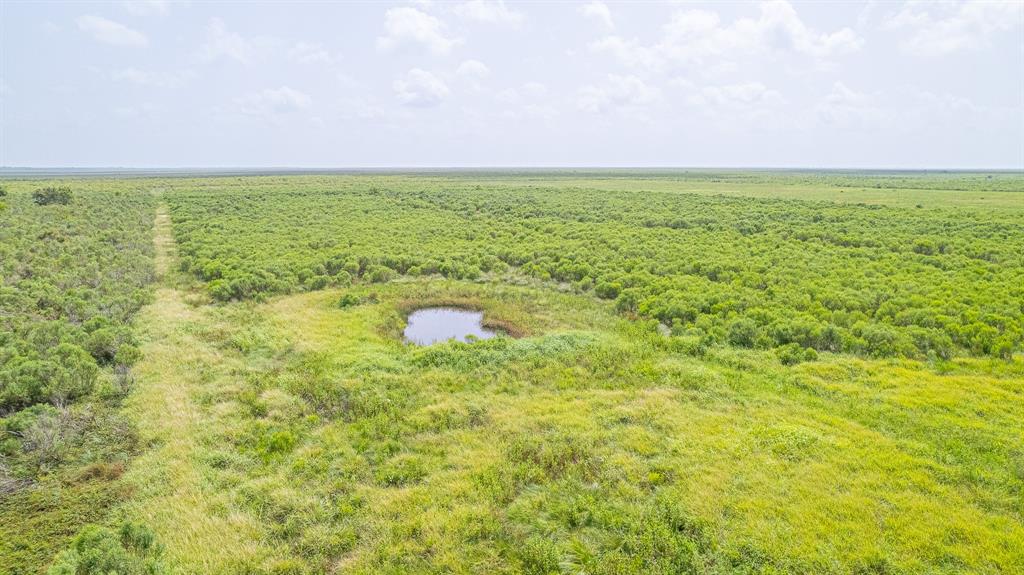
(708, 373)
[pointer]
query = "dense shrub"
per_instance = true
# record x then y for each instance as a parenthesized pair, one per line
(840, 278)
(68, 298)
(743, 332)
(792, 354)
(349, 300)
(52, 195)
(379, 274)
(96, 550)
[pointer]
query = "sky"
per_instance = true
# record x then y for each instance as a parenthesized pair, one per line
(490, 84)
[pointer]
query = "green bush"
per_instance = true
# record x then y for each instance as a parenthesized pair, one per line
(318, 282)
(65, 373)
(379, 274)
(275, 443)
(1003, 348)
(104, 343)
(793, 353)
(743, 332)
(840, 278)
(607, 290)
(881, 340)
(52, 195)
(98, 550)
(71, 281)
(127, 355)
(72, 374)
(220, 290)
(349, 300)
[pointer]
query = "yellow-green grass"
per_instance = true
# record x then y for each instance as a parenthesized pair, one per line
(1012, 201)
(979, 191)
(997, 191)
(171, 491)
(297, 436)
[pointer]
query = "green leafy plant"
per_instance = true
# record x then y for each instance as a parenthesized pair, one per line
(52, 195)
(97, 550)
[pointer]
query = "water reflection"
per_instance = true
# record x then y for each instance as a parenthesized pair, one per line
(431, 325)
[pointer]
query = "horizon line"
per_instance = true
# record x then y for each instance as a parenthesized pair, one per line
(472, 168)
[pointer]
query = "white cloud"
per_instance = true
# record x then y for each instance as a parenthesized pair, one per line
(866, 15)
(473, 69)
(143, 111)
(507, 96)
(155, 79)
(742, 96)
(699, 38)
(272, 102)
(534, 90)
(617, 92)
(528, 91)
(938, 29)
(844, 107)
(490, 11)
(110, 32)
(598, 11)
(541, 111)
(220, 43)
(741, 106)
(307, 53)
(630, 53)
(530, 112)
(528, 101)
(949, 104)
(147, 7)
(359, 108)
(841, 95)
(908, 110)
(420, 88)
(412, 26)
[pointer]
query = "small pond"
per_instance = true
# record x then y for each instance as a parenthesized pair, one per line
(434, 324)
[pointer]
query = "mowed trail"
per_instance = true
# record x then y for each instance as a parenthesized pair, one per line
(170, 491)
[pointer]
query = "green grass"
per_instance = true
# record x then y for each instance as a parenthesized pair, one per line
(758, 272)
(988, 192)
(288, 434)
(595, 444)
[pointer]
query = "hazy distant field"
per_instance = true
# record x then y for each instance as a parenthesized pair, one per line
(903, 189)
(706, 372)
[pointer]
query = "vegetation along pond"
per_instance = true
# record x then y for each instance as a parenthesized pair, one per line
(431, 325)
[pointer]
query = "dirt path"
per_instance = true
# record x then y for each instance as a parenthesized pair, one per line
(170, 490)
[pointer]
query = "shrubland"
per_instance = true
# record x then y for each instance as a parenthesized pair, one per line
(869, 280)
(717, 372)
(72, 276)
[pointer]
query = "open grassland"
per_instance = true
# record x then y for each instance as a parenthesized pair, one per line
(761, 375)
(596, 444)
(984, 191)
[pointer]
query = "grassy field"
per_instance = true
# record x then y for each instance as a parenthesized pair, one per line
(809, 373)
(984, 191)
